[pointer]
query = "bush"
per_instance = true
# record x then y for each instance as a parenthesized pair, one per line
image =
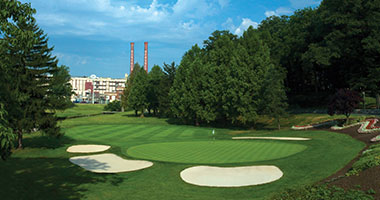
(370, 158)
(344, 101)
(113, 106)
(322, 192)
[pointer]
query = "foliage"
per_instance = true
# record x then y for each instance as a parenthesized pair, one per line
(224, 81)
(137, 98)
(370, 158)
(113, 106)
(335, 45)
(155, 77)
(6, 135)
(322, 192)
(32, 85)
(128, 86)
(166, 83)
(344, 102)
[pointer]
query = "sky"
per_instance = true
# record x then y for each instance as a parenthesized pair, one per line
(94, 36)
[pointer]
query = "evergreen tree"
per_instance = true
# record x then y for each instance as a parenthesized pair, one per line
(6, 135)
(137, 98)
(273, 100)
(33, 86)
(185, 94)
(128, 86)
(155, 77)
(165, 85)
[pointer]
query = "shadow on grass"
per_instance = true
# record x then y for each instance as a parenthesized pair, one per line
(222, 125)
(46, 178)
(46, 141)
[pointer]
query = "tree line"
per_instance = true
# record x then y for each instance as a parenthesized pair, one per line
(334, 46)
(230, 80)
(300, 59)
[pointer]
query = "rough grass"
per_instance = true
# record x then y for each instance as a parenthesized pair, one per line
(81, 110)
(42, 169)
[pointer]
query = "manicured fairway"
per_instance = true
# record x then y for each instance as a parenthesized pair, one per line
(43, 171)
(215, 152)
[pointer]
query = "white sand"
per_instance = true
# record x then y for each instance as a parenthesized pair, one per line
(271, 138)
(88, 148)
(230, 176)
(109, 163)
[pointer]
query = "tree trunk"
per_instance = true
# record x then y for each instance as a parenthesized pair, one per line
(142, 113)
(122, 109)
(347, 119)
(19, 134)
(377, 101)
(196, 122)
(278, 124)
(136, 113)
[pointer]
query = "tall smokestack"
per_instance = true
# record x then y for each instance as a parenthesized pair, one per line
(132, 64)
(146, 56)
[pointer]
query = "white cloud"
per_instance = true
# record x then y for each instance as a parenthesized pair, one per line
(245, 24)
(278, 12)
(128, 20)
(229, 25)
(223, 3)
(70, 59)
(193, 8)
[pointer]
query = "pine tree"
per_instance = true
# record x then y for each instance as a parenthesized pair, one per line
(128, 86)
(155, 77)
(165, 85)
(137, 99)
(33, 86)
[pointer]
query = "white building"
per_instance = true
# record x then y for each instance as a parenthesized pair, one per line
(102, 89)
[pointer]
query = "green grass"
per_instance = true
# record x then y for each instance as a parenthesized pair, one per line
(215, 152)
(81, 110)
(42, 169)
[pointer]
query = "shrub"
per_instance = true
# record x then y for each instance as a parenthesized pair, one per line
(344, 101)
(370, 158)
(113, 106)
(322, 192)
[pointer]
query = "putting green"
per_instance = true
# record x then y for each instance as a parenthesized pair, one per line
(215, 152)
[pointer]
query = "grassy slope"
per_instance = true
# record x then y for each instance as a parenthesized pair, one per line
(44, 171)
(81, 110)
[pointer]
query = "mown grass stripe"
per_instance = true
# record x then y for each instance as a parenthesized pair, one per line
(214, 151)
(167, 132)
(152, 132)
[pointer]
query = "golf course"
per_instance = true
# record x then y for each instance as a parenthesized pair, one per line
(44, 167)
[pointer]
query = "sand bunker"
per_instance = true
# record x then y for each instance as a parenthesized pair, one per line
(109, 163)
(230, 176)
(271, 138)
(89, 148)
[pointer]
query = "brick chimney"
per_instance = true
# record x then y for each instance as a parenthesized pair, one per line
(146, 56)
(132, 64)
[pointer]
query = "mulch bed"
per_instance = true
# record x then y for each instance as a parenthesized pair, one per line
(365, 180)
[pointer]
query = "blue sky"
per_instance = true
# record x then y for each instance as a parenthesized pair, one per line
(93, 36)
